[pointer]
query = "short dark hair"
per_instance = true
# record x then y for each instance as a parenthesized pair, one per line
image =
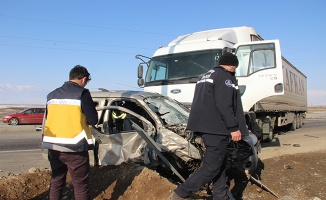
(79, 72)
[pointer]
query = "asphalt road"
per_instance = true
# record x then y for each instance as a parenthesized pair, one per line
(20, 150)
(20, 145)
(20, 140)
(311, 137)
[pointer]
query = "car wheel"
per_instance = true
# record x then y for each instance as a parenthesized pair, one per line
(13, 121)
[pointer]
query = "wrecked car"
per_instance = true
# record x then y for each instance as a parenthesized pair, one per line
(151, 129)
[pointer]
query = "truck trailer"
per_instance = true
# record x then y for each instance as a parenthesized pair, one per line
(273, 91)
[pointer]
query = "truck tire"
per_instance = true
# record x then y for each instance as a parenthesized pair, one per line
(270, 136)
(300, 120)
(294, 123)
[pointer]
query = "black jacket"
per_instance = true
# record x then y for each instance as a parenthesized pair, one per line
(216, 106)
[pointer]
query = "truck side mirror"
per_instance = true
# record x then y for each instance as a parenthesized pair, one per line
(140, 81)
(140, 71)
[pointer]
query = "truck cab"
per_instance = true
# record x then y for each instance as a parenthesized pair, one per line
(273, 90)
(174, 70)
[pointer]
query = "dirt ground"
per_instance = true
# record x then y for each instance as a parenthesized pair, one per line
(299, 176)
(296, 176)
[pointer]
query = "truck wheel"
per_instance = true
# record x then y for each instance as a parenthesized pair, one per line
(300, 120)
(294, 123)
(270, 136)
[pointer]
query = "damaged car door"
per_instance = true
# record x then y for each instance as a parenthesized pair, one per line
(150, 130)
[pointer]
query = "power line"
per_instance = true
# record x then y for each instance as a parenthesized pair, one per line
(300, 49)
(296, 61)
(83, 43)
(83, 25)
(52, 48)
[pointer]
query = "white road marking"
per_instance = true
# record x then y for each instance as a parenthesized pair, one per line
(17, 151)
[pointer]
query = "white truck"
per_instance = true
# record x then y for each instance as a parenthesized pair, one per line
(273, 91)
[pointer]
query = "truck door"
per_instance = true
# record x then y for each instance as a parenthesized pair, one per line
(260, 72)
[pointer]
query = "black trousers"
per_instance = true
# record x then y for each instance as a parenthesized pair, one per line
(77, 163)
(212, 169)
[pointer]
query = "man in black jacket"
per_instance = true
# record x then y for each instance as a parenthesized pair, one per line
(217, 114)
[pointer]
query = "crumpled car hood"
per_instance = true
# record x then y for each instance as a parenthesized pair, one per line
(176, 144)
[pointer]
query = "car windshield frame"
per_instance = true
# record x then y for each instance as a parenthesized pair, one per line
(22, 111)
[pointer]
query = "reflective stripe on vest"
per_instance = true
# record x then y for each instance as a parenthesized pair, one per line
(62, 125)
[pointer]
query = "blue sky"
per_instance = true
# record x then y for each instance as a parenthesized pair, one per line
(40, 41)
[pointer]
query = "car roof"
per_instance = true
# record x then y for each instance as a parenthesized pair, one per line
(24, 109)
(134, 94)
(34, 108)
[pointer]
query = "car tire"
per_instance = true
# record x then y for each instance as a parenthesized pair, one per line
(13, 121)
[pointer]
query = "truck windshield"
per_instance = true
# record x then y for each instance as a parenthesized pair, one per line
(170, 111)
(174, 68)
